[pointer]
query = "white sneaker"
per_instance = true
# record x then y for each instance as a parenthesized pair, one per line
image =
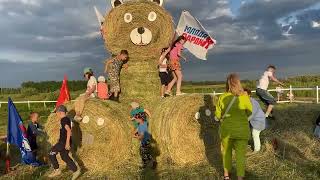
(76, 174)
(55, 173)
(180, 94)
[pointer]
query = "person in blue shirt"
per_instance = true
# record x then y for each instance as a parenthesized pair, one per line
(257, 121)
(136, 109)
(144, 137)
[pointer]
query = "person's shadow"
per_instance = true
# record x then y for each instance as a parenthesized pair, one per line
(151, 173)
(76, 142)
(209, 133)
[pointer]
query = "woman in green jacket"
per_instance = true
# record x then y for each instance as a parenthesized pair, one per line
(233, 109)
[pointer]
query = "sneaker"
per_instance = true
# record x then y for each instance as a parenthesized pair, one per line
(167, 94)
(76, 174)
(77, 118)
(180, 94)
(55, 173)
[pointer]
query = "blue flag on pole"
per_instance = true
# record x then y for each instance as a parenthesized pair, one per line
(17, 135)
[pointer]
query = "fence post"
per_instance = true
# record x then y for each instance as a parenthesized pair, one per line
(28, 104)
(214, 93)
(44, 104)
(290, 94)
(317, 94)
(0, 105)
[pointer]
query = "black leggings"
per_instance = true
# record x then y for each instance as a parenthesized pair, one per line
(60, 148)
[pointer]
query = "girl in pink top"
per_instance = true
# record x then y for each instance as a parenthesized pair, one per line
(175, 66)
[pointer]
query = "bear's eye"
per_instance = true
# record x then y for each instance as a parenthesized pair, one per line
(152, 16)
(127, 17)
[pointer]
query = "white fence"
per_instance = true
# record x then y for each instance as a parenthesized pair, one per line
(290, 90)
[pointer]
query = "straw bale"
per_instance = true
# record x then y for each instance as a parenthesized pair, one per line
(100, 148)
(183, 140)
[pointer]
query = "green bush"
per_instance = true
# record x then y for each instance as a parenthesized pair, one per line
(52, 96)
(29, 91)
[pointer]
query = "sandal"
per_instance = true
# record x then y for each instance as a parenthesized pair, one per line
(167, 94)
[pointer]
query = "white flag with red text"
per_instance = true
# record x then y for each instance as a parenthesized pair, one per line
(199, 42)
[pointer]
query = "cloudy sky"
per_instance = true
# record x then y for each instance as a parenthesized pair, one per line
(44, 39)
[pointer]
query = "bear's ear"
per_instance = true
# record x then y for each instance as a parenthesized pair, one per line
(159, 2)
(116, 3)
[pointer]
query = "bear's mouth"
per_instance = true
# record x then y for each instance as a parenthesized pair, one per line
(141, 36)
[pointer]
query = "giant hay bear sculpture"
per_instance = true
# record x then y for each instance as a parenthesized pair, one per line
(143, 28)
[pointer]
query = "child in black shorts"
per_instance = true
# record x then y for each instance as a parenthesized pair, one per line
(164, 74)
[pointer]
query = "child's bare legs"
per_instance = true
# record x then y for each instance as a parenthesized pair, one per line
(269, 110)
(226, 173)
(163, 88)
(79, 106)
(171, 84)
(179, 80)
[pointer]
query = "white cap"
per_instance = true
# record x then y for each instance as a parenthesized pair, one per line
(134, 105)
(101, 79)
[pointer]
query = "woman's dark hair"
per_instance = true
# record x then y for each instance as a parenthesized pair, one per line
(178, 40)
(124, 52)
(89, 74)
(164, 50)
(248, 91)
(272, 67)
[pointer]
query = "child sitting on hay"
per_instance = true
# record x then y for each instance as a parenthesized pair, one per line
(144, 136)
(102, 88)
(164, 74)
(137, 109)
(90, 92)
(175, 66)
(113, 68)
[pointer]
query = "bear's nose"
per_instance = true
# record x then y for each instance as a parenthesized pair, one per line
(140, 30)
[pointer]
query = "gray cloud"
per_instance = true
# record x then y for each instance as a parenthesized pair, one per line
(62, 37)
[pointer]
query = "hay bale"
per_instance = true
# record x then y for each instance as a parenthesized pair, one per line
(183, 139)
(141, 81)
(117, 31)
(103, 143)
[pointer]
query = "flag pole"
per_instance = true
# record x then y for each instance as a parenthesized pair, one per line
(8, 158)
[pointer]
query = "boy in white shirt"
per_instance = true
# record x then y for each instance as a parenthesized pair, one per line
(262, 88)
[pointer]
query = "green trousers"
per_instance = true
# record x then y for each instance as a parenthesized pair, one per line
(240, 147)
